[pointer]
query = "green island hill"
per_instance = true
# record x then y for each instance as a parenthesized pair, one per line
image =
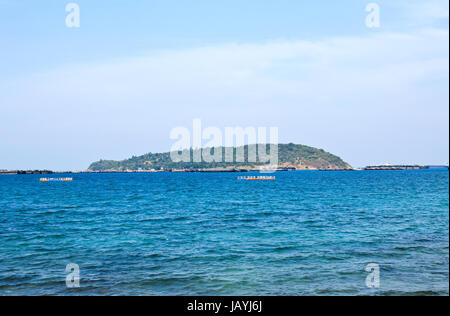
(299, 157)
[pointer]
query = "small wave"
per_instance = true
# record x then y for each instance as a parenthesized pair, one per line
(406, 248)
(285, 248)
(415, 293)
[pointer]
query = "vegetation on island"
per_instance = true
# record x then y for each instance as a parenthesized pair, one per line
(289, 156)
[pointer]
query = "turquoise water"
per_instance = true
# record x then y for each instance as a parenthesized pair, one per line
(307, 233)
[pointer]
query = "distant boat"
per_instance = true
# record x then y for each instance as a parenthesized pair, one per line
(396, 167)
(56, 179)
(257, 178)
(438, 167)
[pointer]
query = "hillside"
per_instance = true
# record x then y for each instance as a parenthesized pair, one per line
(290, 155)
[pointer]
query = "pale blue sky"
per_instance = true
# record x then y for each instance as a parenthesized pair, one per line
(134, 70)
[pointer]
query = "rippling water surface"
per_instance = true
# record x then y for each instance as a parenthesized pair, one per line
(307, 233)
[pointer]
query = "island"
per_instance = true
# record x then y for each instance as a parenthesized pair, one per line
(290, 157)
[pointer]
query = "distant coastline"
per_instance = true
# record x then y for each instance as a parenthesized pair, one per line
(227, 170)
(291, 157)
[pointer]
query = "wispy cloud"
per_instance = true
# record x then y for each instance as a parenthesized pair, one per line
(434, 9)
(422, 14)
(297, 68)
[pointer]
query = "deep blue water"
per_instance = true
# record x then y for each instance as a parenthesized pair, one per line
(307, 233)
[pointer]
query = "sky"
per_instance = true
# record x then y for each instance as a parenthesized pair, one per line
(135, 70)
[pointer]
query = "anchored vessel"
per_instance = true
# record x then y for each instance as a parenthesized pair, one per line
(397, 167)
(257, 178)
(56, 179)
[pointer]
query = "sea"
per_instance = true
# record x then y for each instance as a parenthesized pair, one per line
(210, 234)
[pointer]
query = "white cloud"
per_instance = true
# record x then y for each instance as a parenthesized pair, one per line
(419, 13)
(435, 9)
(242, 70)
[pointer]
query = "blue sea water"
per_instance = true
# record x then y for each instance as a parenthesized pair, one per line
(307, 233)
